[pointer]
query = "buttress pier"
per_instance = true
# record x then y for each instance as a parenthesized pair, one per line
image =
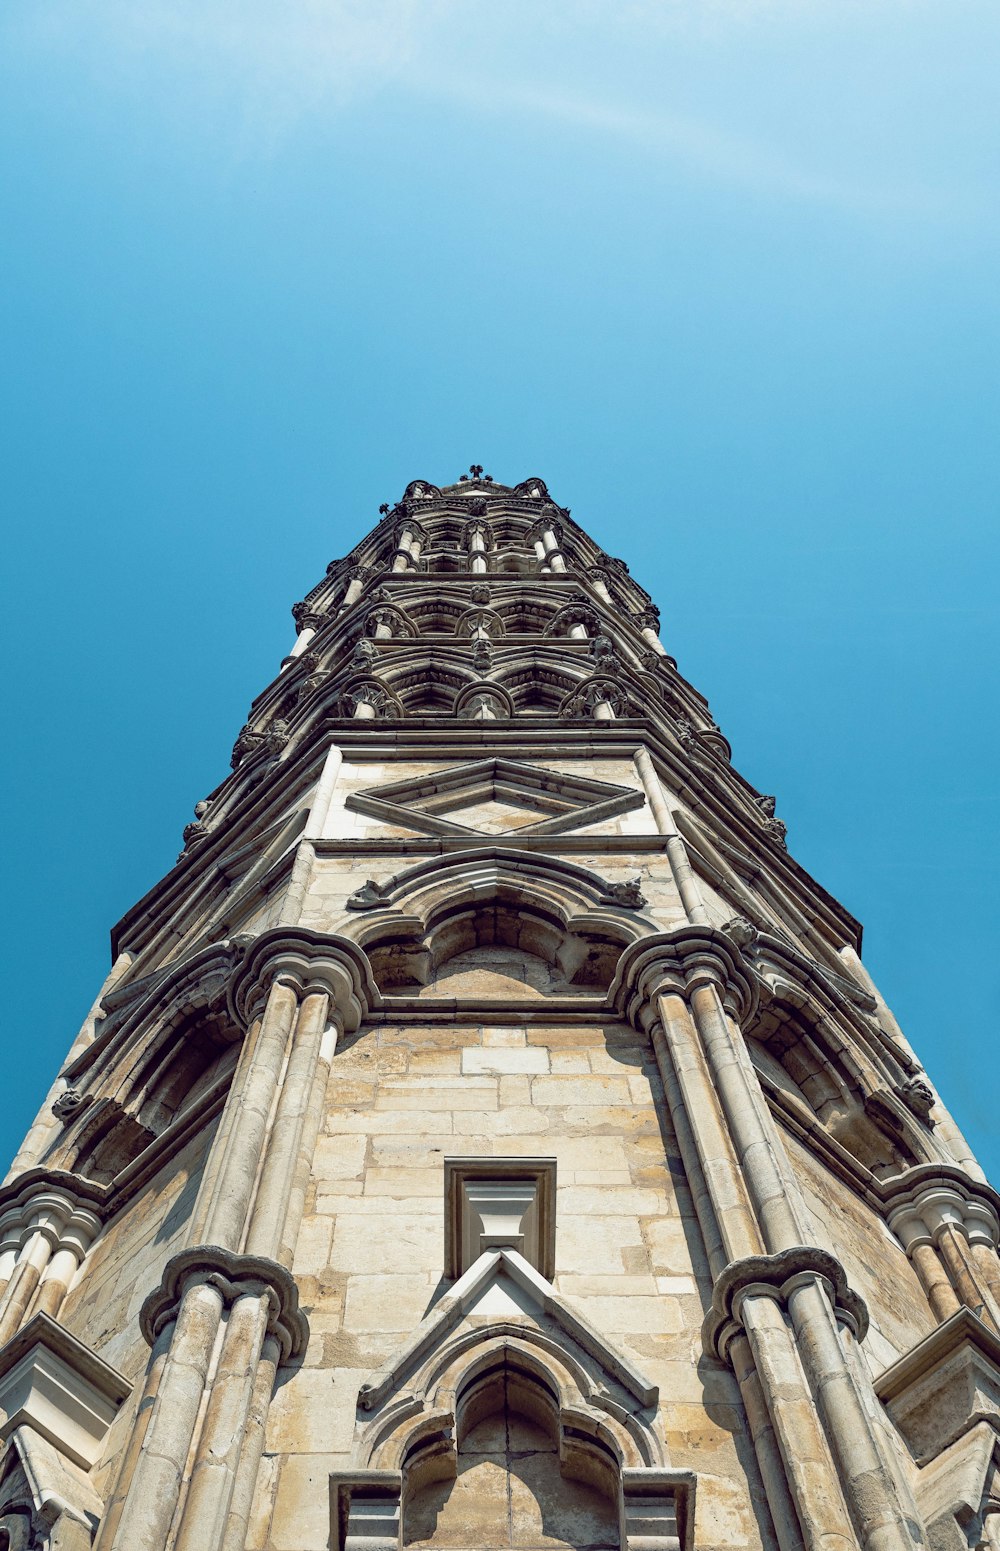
(487, 1137)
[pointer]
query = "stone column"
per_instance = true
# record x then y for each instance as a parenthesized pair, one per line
(793, 1459)
(307, 622)
(680, 863)
(358, 575)
(282, 993)
(543, 564)
(599, 581)
(404, 539)
(696, 980)
(545, 534)
(476, 540)
(47, 1233)
(648, 621)
(949, 1227)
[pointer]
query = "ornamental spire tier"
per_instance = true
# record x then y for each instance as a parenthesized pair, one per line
(488, 1134)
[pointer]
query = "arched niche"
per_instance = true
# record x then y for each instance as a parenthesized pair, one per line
(512, 1444)
(518, 1477)
(506, 938)
(185, 1061)
(805, 1060)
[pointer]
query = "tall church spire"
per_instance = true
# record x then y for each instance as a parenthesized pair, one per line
(488, 1134)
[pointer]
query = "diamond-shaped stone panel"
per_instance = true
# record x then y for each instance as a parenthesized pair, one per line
(495, 796)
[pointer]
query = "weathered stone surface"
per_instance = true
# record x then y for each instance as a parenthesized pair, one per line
(484, 886)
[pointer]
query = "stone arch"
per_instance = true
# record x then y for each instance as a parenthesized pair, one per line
(550, 916)
(574, 614)
(175, 1043)
(797, 1041)
(185, 1061)
(592, 1457)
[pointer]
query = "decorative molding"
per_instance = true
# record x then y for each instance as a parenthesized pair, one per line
(499, 1203)
(564, 802)
(946, 1384)
(234, 1276)
(55, 1384)
(450, 1310)
(776, 1276)
(309, 961)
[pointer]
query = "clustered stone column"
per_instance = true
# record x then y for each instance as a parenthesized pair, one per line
(545, 538)
(477, 538)
(231, 1292)
(782, 1314)
(949, 1227)
(44, 1236)
(409, 540)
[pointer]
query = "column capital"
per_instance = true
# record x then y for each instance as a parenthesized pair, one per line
(233, 1276)
(776, 1276)
(921, 1203)
(307, 618)
(308, 961)
(46, 1204)
(681, 962)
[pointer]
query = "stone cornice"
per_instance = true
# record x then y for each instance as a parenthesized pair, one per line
(681, 961)
(233, 1276)
(311, 961)
(776, 1276)
(542, 737)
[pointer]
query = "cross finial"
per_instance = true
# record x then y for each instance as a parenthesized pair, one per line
(384, 509)
(475, 469)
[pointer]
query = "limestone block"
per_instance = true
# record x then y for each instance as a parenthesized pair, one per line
(501, 1062)
(388, 1304)
(580, 1091)
(313, 1412)
(301, 1517)
(397, 1244)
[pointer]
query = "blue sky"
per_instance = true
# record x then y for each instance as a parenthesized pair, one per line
(724, 274)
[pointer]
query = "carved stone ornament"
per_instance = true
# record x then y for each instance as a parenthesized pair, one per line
(477, 506)
(481, 593)
(482, 655)
(647, 619)
(626, 896)
(370, 896)
(603, 650)
(741, 932)
(767, 806)
(250, 741)
(777, 831)
(918, 1096)
(364, 653)
(233, 1276)
(306, 618)
(70, 1103)
(194, 832)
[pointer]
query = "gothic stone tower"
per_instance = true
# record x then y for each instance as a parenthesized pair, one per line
(487, 1136)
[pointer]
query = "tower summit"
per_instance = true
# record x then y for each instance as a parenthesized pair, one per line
(487, 1135)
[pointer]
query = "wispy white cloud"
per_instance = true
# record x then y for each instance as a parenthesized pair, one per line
(695, 144)
(256, 69)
